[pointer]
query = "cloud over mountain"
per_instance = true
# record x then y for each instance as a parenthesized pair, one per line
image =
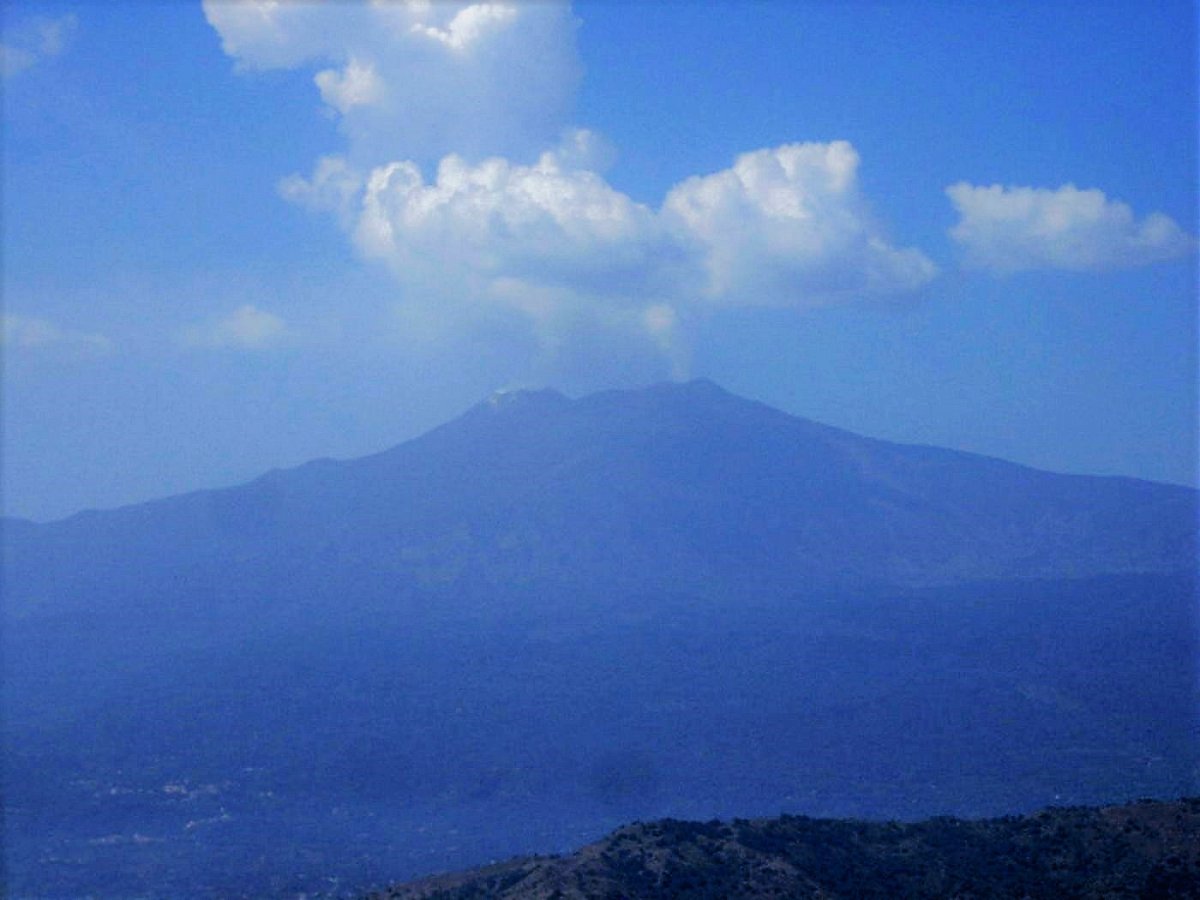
(419, 79)
(783, 226)
(786, 226)
(448, 111)
(1012, 229)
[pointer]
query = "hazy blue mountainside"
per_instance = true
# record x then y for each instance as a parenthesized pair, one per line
(673, 486)
(549, 616)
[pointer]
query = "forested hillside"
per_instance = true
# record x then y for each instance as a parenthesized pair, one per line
(1145, 850)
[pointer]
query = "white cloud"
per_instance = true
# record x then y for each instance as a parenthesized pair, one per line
(246, 328)
(333, 187)
(787, 227)
(543, 224)
(35, 40)
(28, 333)
(1011, 229)
(448, 108)
(356, 85)
(782, 227)
(419, 80)
(469, 25)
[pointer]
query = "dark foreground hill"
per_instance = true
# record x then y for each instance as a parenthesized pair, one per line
(1145, 850)
(550, 616)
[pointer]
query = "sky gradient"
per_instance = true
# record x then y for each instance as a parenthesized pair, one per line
(239, 236)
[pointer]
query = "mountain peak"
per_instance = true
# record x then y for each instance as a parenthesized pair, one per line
(524, 398)
(695, 387)
(705, 385)
(549, 399)
(697, 392)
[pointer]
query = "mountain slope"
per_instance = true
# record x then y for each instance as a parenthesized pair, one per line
(1141, 850)
(676, 485)
(549, 616)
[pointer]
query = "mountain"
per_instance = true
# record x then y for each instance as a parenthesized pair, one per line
(676, 486)
(551, 615)
(1141, 850)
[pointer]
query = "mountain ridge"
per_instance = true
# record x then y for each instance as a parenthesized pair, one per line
(684, 480)
(551, 397)
(548, 616)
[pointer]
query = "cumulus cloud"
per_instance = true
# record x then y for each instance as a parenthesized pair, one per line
(782, 227)
(469, 25)
(33, 41)
(29, 333)
(419, 80)
(1011, 229)
(544, 224)
(446, 179)
(356, 85)
(246, 328)
(786, 226)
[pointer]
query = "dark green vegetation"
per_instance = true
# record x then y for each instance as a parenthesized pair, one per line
(1144, 850)
(549, 616)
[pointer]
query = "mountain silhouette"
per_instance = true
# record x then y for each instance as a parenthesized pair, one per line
(677, 486)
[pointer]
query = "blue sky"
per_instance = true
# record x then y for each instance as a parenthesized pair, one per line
(240, 236)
